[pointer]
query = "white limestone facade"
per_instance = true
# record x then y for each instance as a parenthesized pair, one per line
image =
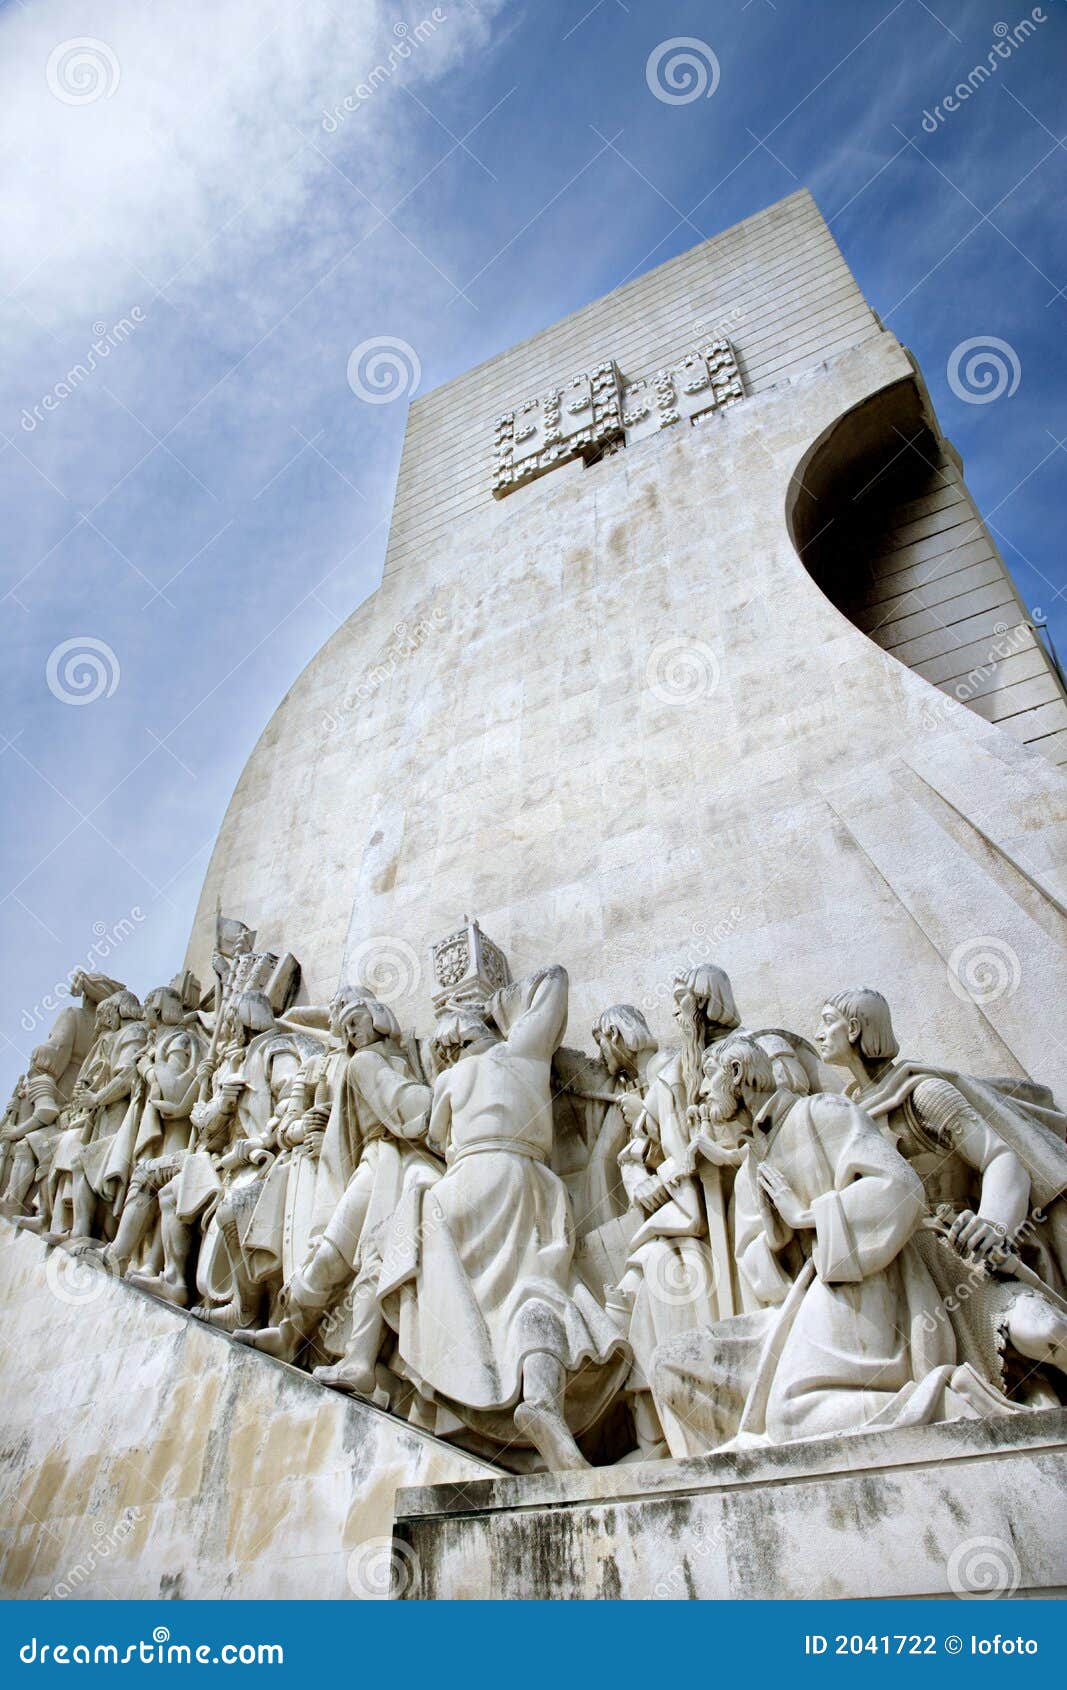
(742, 691)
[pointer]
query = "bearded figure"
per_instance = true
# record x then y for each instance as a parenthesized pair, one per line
(682, 1267)
(849, 1333)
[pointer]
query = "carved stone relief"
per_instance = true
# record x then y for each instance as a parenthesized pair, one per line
(550, 1257)
(599, 411)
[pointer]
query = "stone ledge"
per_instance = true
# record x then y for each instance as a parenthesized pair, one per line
(906, 1513)
(830, 1458)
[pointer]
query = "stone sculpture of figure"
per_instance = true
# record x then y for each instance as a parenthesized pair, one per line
(986, 1153)
(628, 1049)
(54, 1069)
(827, 1215)
(108, 1105)
(668, 1286)
(66, 1218)
(491, 1319)
(239, 968)
(11, 1130)
(190, 1195)
(74, 1032)
(31, 1131)
(240, 1252)
(168, 1067)
(683, 1267)
(378, 1120)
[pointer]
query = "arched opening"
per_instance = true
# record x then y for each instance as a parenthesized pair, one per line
(882, 520)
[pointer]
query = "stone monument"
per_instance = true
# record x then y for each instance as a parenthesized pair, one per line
(691, 1221)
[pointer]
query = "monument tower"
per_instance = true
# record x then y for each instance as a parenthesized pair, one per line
(680, 603)
(696, 705)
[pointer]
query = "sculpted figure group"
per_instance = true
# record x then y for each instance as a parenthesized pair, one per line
(550, 1257)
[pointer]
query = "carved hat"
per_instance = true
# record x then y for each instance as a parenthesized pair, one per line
(167, 1003)
(254, 1012)
(383, 1020)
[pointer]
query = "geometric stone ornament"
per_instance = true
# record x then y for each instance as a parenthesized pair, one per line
(704, 381)
(600, 411)
(579, 420)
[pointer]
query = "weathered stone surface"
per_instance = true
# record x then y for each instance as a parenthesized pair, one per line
(614, 716)
(965, 1509)
(143, 1455)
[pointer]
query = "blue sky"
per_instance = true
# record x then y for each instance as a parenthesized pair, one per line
(213, 499)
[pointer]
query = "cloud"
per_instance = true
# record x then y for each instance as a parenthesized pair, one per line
(177, 139)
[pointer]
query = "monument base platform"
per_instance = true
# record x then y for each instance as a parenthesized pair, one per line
(964, 1508)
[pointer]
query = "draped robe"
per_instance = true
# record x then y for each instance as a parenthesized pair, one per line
(851, 1334)
(478, 1273)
